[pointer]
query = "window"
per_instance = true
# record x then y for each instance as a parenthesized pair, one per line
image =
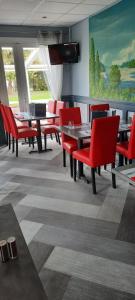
(36, 83)
(10, 74)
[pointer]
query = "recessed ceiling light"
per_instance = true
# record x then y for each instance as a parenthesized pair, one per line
(44, 17)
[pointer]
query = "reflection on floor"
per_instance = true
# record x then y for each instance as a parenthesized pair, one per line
(82, 244)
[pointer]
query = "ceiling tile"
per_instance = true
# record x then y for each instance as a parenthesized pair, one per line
(39, 16)
(23, 5)
(102, 3)
(72, 18)
(13, 15)
(55, 7)
(86, 9)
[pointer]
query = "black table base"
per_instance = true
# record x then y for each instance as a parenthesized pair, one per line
(41, 151)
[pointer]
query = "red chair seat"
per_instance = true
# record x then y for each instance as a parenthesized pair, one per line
(122, 148)
(26, 132)
(82, 155)
(49, 130)
(21, 126)
(70, 145)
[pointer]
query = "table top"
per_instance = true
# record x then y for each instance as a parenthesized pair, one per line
(84, 131)
(23, 117)
(19, 279)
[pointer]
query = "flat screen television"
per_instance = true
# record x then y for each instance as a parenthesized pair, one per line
(64, 53)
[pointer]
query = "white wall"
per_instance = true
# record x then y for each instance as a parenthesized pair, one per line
(80, 71)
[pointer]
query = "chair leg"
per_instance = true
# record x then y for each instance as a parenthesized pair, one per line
(125, 160)
(113, 177)
(93, 180)
(71, 165)
(7, 138)
(13, 145)
(16, 148)
(74, 168)
(51, 136)
(99, 171)
(9, 141)
(130, 161)
(29, 142)
(56, 137)
(105, 167)
(45, 141)
(33, 142)
(64, 158)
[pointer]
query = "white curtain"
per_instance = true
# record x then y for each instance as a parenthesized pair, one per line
(53, 73)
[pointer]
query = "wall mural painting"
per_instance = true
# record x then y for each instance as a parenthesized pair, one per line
(112, 53)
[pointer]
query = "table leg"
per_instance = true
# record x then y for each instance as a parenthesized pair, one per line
(122, 138)
(39, 141)
(80, 164)
(39, 138)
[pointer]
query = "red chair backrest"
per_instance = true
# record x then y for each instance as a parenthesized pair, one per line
(51, 109)
(99, 107)
(5, 118)
(13, 126)
(131, 146)
(72, 114)
(59, 105)
(103, 141)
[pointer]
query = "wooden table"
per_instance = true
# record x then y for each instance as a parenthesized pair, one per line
(83, 131)
(18, 279)
(27, 117)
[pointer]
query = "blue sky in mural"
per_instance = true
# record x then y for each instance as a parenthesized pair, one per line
(113, 31)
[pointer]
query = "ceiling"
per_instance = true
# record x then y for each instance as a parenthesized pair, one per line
(49, 13)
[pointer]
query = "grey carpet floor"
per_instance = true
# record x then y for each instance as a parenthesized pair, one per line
(83, 245)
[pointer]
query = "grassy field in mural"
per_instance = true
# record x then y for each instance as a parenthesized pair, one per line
(112, 53)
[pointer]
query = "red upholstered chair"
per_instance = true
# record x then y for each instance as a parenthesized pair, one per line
(127, 148)
(52, 129)
(99, 107)
(6, 124)
(69, 144)
(19, 133)
(8, 127)
(102, 148)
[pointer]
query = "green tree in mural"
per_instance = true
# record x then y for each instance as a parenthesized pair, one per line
(92, 66)
(97, 70)
(114, 76)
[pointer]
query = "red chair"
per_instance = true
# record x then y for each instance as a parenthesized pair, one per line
(99, 107)
(19, 133)
(127, 148)
(69, 144)
(102, 148)
(52, 129)
(8, 127)
(51, 109)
